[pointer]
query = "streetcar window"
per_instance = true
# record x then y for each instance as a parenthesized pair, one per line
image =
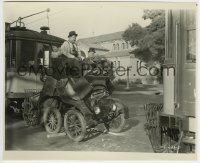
(7, 50)
(39, 53)
(191, 46)
(11, 54)
(27, 53)
(190, 18)
(191, 36)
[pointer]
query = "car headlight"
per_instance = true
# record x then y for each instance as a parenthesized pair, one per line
(114, 107)
(97, 110)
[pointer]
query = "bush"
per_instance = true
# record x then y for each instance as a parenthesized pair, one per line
(120, 82)
(152, 80)
(138, 81)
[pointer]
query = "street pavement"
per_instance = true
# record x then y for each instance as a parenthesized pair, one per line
(133, 138)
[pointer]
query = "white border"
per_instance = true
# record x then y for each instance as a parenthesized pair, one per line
(2, 72)
(2, 77)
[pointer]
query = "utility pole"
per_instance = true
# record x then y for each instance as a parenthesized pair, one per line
(127, 74)
(127, 82)
(93, 33)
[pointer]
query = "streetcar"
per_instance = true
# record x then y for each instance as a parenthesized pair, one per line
(25, 49)
(172, 125)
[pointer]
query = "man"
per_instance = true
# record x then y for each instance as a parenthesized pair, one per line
(69, 47)
(91, 55)
(56, 52)
(70, 56)
(70, 60)
(91, 52)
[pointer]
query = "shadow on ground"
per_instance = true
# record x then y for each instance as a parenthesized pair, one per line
(130, 123)
(92, 133)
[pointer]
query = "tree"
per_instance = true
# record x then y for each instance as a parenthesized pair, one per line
(150, 40)
(134, 33)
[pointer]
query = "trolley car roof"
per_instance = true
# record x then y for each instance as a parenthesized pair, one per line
(26, 34)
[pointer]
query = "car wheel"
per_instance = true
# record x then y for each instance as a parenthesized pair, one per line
(52, 120)
(118, 121)
(75, 125)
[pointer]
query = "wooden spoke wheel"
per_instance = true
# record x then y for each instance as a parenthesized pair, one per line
(75, 125)
(52, 120)
(117, 123)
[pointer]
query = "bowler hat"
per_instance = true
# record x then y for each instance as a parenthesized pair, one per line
(71, 33)
(91, 50)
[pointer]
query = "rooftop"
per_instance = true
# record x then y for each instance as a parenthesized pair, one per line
(102, 38)
(120, 53)
(18, 33)
(95, 46)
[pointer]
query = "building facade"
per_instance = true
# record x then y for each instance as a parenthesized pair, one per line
(84, 47)
(118, 51)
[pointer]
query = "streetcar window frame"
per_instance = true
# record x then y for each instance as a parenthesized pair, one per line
(190, 22)
(27, 52)
(11, 54)
(189, 57)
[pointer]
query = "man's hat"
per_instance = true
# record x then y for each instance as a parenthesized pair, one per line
(91, 50)
(71, 33)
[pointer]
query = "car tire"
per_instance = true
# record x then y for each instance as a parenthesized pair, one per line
(118, 123)
(52, 120)
(75, 125)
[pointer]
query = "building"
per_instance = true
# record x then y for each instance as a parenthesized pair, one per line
(112, 42)
(117, 50)
(84, 47)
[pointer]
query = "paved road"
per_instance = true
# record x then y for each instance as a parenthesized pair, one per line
(132, 139)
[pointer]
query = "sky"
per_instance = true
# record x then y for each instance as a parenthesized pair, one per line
(86, 18)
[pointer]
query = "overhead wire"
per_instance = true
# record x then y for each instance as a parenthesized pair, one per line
(44, 17)
(48, 22)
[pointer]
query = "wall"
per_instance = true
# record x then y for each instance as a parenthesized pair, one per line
(110, 45)
(85, 48)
